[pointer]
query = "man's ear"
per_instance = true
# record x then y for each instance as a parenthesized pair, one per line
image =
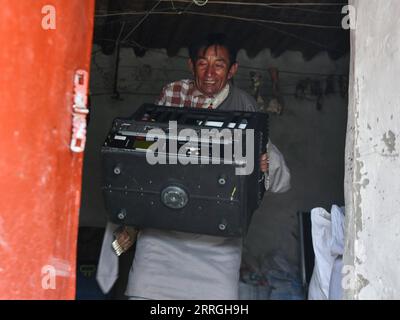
(191, 66)
(232, 71)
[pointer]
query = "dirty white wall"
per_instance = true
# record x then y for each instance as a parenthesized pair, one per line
(312, 141)
(372, 154)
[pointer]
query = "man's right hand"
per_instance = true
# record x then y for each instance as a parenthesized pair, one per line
(126, 237)
(264, 163)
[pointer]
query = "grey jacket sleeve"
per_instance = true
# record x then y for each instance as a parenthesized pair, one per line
(278, 180)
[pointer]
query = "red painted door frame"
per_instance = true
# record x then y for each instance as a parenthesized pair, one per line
(44, 42)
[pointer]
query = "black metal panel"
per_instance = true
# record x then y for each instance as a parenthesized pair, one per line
(202, 198)
(307, 255)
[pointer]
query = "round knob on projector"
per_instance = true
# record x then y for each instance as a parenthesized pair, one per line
(222, 226)
(122, 214)
(117, 170)
(222, 180)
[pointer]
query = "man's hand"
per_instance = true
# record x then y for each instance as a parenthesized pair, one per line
(264, 162)
(125, 238)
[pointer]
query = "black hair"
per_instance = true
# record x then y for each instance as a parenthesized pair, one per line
(212, 39)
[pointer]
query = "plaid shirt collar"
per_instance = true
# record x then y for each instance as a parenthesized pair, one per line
(213, 101)
(183, 93)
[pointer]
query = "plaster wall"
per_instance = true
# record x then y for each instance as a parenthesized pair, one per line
(372, 185)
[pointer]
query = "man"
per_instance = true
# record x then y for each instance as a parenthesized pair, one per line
(177, 265)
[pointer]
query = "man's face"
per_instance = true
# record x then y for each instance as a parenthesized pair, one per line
(211, 70)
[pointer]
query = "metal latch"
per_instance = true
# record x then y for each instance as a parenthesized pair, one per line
(79, 111)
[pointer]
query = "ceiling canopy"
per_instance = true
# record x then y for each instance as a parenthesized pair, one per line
(298, 25)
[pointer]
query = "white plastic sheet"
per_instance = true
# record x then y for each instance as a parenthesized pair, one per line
(328, 242)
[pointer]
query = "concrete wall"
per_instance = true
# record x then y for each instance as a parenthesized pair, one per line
(372, 154)
(312, 141)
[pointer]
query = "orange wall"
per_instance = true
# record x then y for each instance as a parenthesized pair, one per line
(40, 178)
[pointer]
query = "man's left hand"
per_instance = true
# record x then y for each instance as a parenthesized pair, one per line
(264, 162)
